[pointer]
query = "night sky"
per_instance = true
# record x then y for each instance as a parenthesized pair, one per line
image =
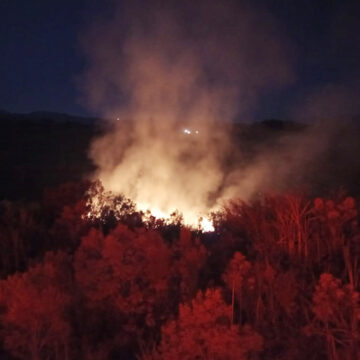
(41, 57)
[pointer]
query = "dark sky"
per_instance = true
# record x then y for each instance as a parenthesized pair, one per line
(41, 57)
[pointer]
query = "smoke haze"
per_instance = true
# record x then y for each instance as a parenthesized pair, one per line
(160, 69)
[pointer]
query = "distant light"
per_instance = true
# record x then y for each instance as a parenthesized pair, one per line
(197, 131)
(187, 131)
(118, 119)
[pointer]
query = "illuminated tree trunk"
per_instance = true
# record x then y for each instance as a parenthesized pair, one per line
(232, 302)
(349, 267)
(240, 305)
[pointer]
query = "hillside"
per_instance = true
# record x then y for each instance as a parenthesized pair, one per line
(37, 151)
(43, 149)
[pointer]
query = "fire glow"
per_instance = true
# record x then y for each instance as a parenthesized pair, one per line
(191, 220)
(97, 202)
(171, 148)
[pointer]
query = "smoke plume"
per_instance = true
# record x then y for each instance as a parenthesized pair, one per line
(171, 78)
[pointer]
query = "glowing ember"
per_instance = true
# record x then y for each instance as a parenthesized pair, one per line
(190, 219)
(102, 202)
(206, 225)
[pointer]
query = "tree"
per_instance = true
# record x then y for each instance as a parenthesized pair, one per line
(336, 230)
(127, 271)
(34, 311)
(56, 198)
(108, 209)
(238, 276)
(203, 330)
(70, 226)
(190, 257)
(337, 314)
(21, 237)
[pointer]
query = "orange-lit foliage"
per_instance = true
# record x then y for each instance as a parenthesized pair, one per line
(108, 209)
(203, 330)
(285, 291)
(239, 277)
(70, 226)
(128, 270)
(273, 224)
(336, 230)
(34, 316)
(16, 225)
(190, 257)
(285, 269)
(23, 236)
(63, 209)
(55, 199)
(337, 315)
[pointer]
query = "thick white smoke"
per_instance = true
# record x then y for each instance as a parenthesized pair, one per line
(160, 69)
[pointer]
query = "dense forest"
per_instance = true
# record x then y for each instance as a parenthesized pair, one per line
(277, 279)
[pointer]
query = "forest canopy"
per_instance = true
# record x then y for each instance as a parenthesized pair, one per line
(277, 279)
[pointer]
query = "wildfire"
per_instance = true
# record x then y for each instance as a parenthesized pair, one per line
(206, 225)
(190, 219)
(100, 202)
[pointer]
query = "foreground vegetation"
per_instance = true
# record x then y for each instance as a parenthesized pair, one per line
(279, 279)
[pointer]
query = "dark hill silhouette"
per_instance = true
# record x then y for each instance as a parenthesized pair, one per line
(38, 150)
(46, 115)
(45, 149)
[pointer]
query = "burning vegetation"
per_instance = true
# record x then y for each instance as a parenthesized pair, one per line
(169, 147)
(183, 244)
(278, 278)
